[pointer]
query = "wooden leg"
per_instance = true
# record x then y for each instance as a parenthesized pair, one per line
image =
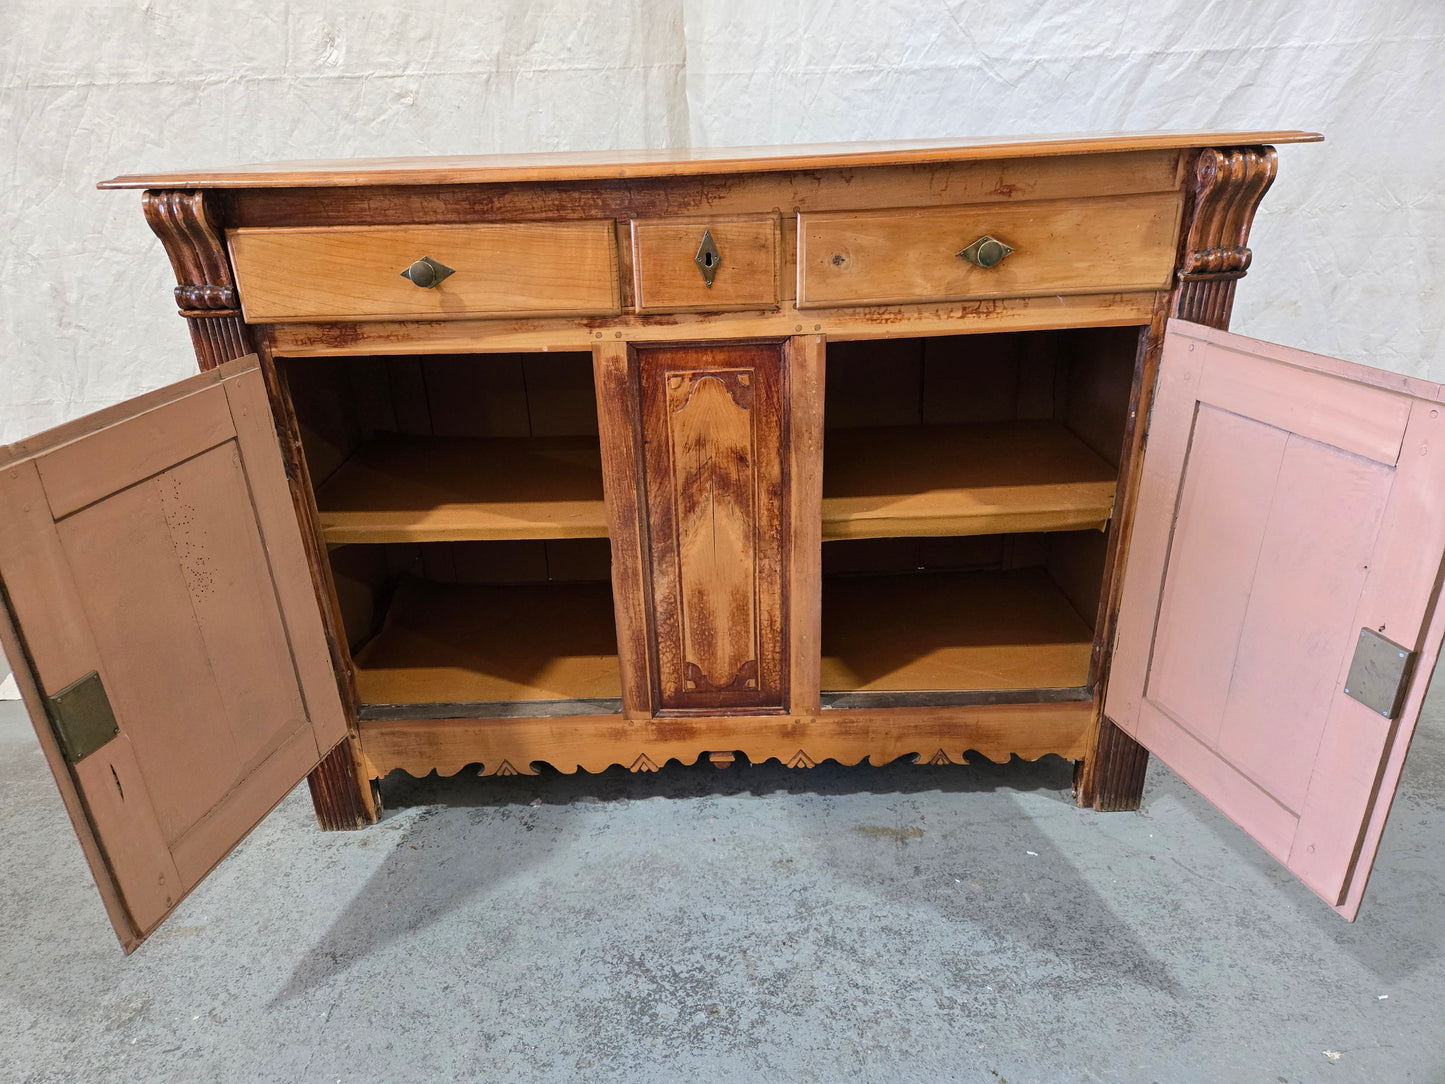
(1113, 778)
(343, 799)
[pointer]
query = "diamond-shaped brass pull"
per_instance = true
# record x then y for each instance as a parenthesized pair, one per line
(427, 272)
(986, 252)
(707, 258)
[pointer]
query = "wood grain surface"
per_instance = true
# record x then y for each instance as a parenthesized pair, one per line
(451, 643)
(666, 277)
(713, 434)
(989, 478)
(444, 489)
(935, 736)
(500, 268)
(616, 165)
(951, 632)
(911, 255)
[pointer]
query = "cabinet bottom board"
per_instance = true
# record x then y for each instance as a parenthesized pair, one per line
(931, 735)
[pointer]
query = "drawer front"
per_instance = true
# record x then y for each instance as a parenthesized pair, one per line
(909, 256)
(355, 273)
(667, 276)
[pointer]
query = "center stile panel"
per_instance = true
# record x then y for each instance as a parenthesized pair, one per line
(714, 437)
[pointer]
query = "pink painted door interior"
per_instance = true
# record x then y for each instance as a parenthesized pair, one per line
(1278, 630)
(160, 615)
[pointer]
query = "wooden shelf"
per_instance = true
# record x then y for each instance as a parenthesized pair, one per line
(951, 631)
(990, 478)
(449, 489)
(463, 643)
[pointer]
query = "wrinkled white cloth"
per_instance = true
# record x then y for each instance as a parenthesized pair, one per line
(1348, 244)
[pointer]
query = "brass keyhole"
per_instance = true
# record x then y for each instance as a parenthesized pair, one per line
(707, 258)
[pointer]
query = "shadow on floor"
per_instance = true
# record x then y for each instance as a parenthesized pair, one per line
(1400, 928)
(965, 878)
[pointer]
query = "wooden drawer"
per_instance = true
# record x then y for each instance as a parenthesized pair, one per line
(667, 277)
(355, 273)
(907, 255)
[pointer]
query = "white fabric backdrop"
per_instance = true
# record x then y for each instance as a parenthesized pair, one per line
(1349, 240)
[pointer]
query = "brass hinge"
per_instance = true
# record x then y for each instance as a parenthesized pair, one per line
(81, 716)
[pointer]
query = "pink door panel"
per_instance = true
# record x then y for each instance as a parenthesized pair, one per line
(155, 546)
(1288, 501)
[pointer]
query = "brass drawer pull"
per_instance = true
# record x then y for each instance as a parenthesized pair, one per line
(427, 272)
(986, 252)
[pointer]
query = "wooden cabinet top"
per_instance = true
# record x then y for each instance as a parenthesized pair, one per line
(682, 161)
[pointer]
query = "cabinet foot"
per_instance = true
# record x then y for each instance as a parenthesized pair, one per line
(1113, 779)
(342, 798)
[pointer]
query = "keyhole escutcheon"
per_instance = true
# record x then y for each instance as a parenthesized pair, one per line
(707, 258)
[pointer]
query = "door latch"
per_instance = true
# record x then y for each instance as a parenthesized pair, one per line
(81, 716)
(1379, 674)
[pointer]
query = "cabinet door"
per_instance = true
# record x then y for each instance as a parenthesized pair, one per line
(1278, 625)
(714, 438)
(161, 619)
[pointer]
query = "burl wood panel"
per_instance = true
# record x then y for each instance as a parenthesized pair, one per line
(1287, 502)
(714, 436)
(167, 558)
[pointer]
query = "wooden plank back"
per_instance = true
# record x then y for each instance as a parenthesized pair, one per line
(160, 550)
(1287, 502)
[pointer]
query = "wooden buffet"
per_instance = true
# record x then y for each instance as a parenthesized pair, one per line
(811, 453)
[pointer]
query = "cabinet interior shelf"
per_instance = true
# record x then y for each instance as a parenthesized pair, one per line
(987, 478)
(449, 489)
(468, 643)
(950, 631)
(902, 481)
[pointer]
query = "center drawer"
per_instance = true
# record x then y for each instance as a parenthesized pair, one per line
(485, 269)
(917, 255)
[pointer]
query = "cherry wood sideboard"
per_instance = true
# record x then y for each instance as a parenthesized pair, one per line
(808, 453)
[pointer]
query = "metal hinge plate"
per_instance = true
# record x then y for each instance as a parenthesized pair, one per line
(81, 716)
(1379, 673)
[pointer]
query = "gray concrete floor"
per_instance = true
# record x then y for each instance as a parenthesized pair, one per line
(901, 923)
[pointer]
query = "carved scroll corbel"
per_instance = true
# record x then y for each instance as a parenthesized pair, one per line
(205, 290)
(1225, 192)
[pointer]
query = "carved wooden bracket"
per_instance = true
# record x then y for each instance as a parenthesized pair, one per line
(205, 290)
(1225, 192)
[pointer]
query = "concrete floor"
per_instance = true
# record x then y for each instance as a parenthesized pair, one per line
(915, 924)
